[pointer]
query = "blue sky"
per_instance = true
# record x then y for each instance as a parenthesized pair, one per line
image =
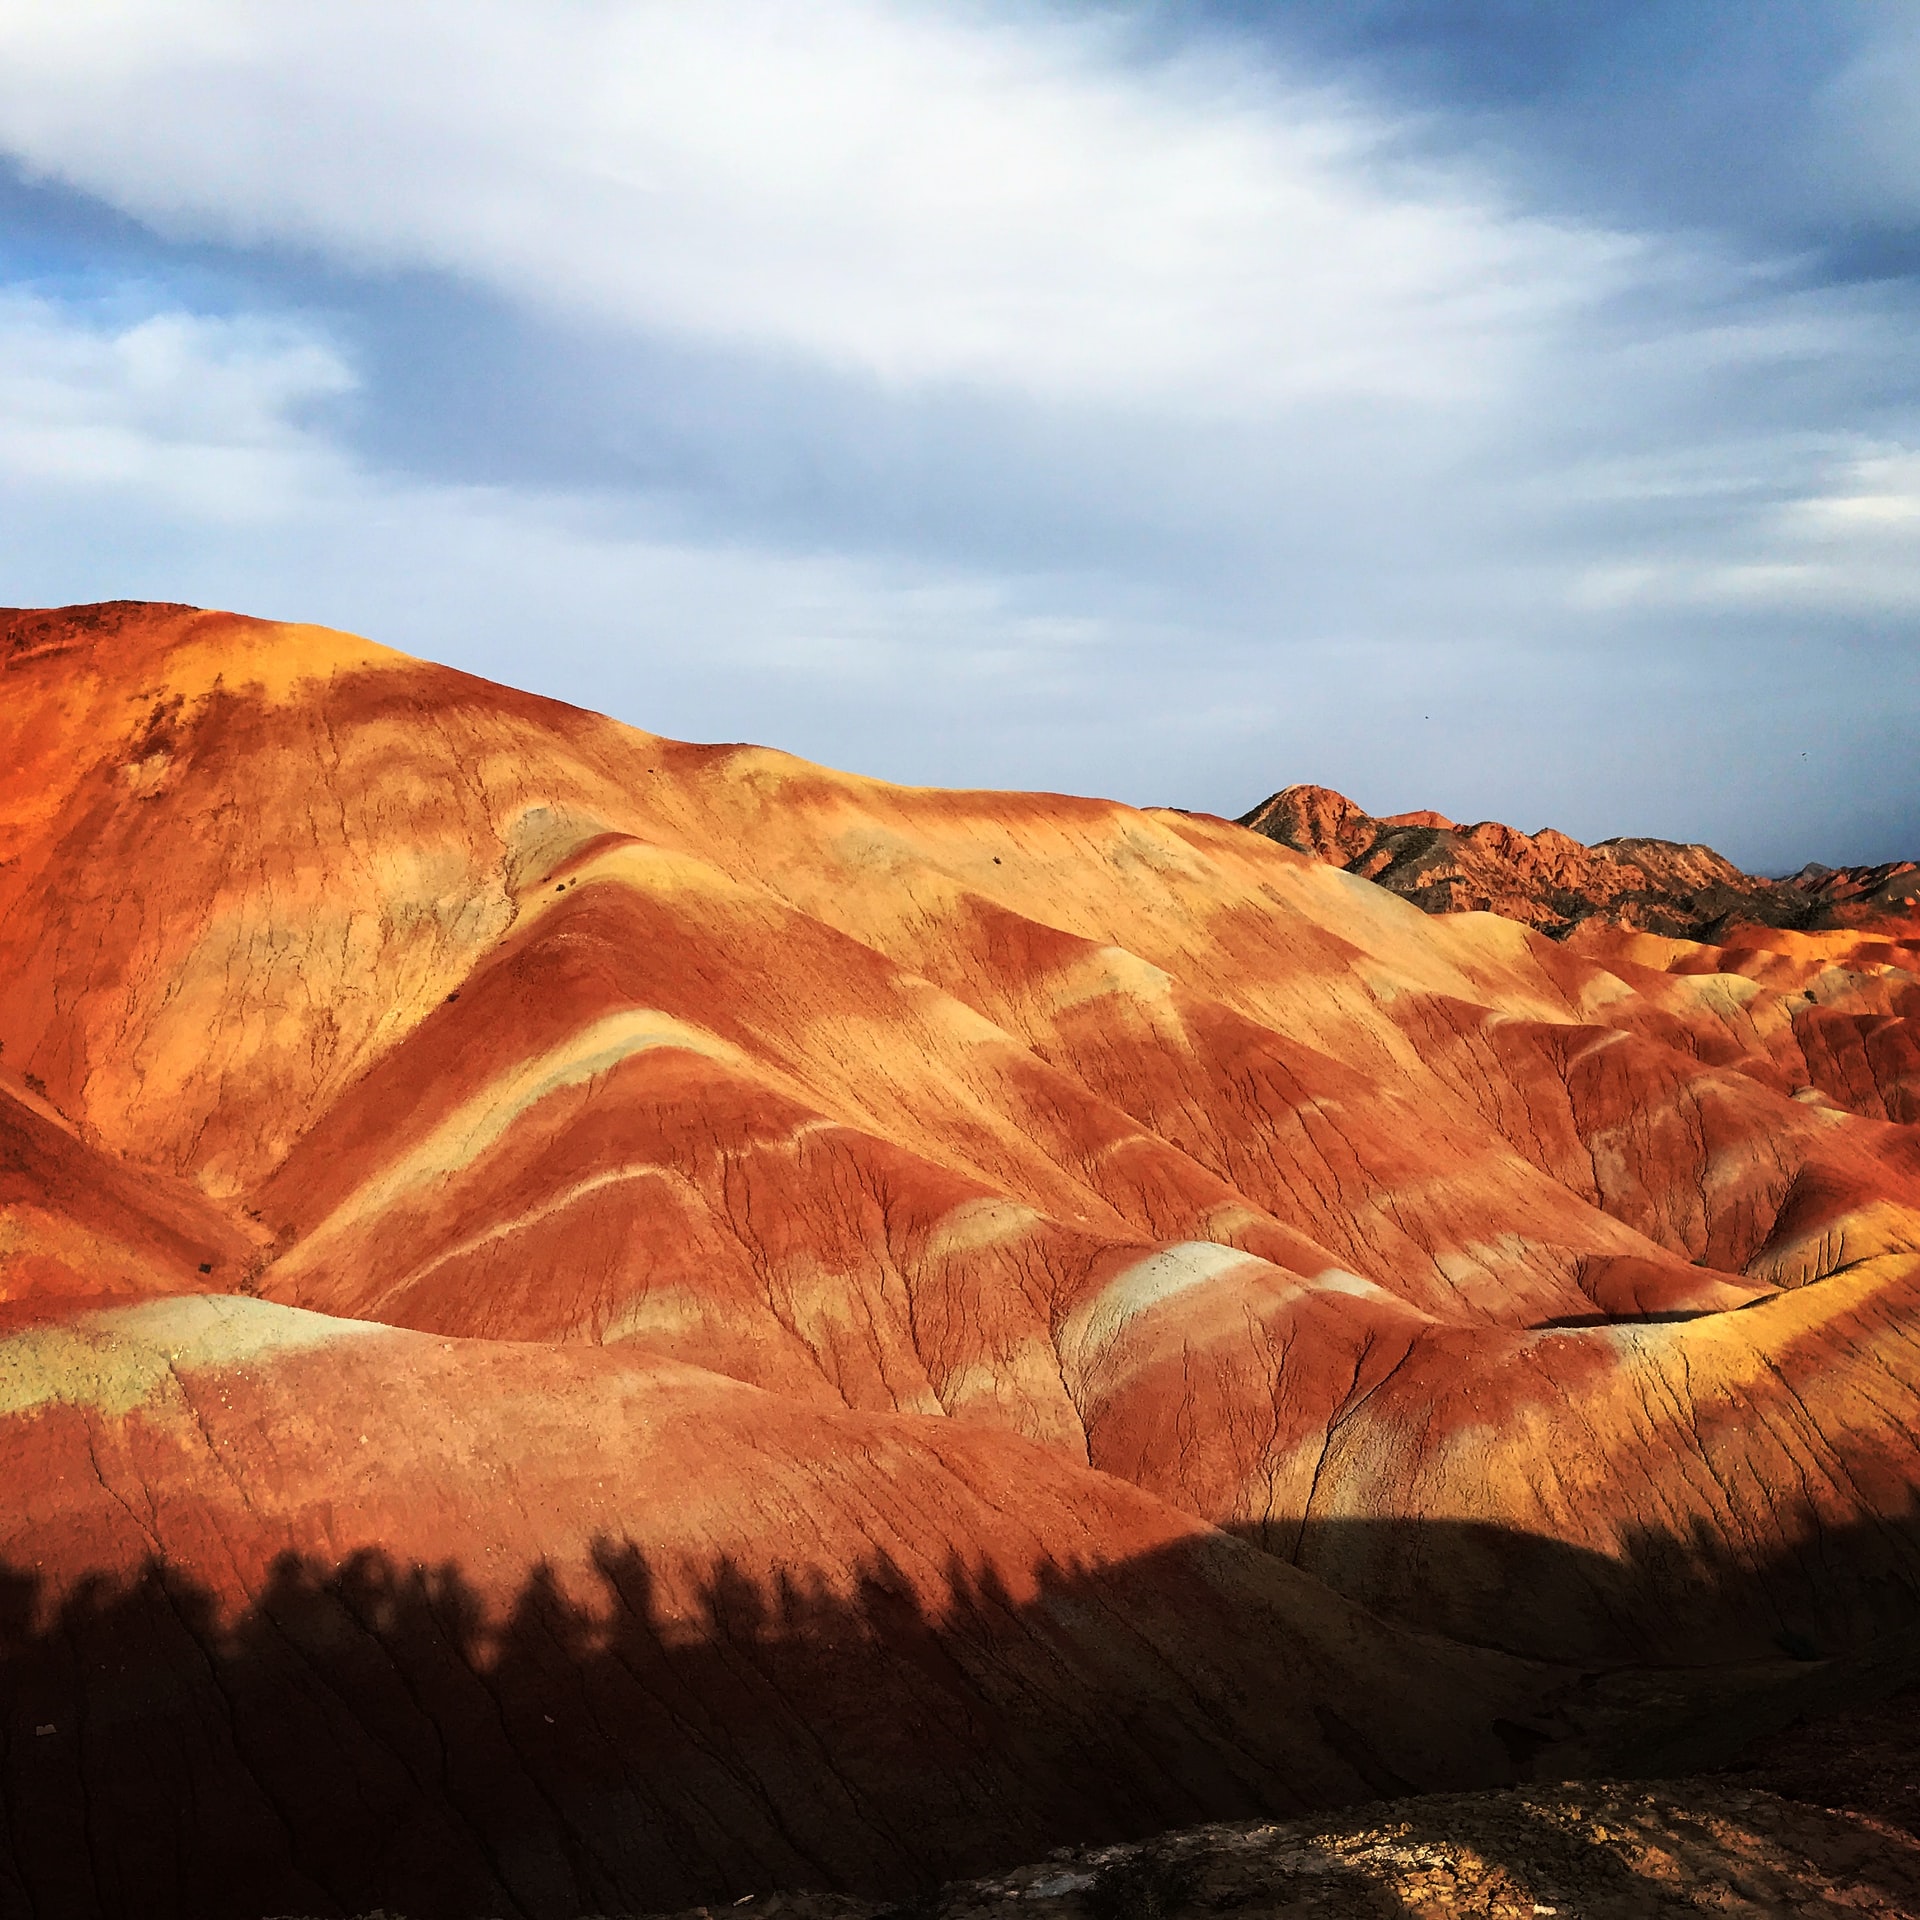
(1506, 408)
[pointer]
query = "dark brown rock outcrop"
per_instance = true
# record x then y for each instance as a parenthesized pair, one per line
(1553, 882)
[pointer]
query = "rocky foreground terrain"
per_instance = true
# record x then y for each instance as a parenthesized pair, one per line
(591, 1324)
(1820, 1819)
(1550, 881)
(1608, 1851)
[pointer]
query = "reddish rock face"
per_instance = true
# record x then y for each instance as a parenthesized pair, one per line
(1549, 881)
(588, 1322)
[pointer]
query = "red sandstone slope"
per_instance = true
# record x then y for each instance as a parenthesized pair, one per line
(1552, 882)
(747, 1306)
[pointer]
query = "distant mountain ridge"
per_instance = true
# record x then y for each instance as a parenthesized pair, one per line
(1554, 883)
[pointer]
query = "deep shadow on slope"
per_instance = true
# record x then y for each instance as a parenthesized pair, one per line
(1663, 1599)
(363, 1735)
(1864, 1759)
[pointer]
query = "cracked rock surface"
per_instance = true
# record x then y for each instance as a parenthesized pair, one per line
(591, 1323)
(1600, 1851)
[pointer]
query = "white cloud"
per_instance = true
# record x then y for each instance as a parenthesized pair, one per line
(1828, 529)
(913, 192)
(172, 456)
(1879, 494)
(1864, 131)
(200, 412)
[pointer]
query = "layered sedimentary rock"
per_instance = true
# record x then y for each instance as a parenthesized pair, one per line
(587, 1321)
(1553, 882)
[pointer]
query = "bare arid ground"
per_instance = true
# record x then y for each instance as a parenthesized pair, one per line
(1595, 1851)
(1818, 1820)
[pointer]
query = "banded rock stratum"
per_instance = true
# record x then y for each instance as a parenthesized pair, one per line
(588, 1322)
(1554, 883)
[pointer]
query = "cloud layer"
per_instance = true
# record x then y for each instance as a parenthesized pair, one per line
(894, 192)
(1113, 400)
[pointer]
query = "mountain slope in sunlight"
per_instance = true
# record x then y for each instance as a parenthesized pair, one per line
(699, 1321)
